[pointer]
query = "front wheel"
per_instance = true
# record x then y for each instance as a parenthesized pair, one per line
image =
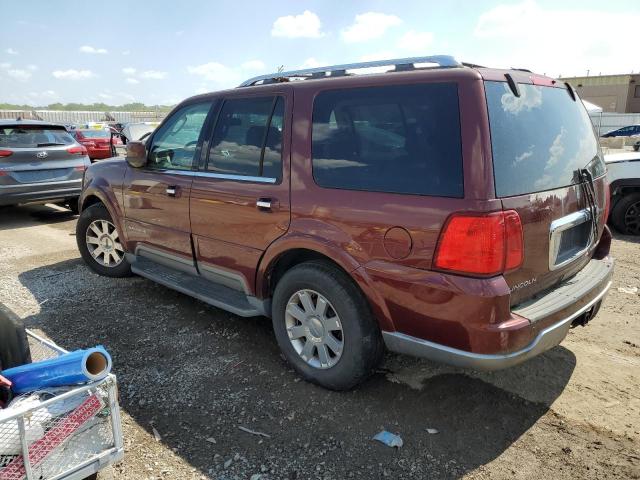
(99, 242)
(324, 326)
(626, 214)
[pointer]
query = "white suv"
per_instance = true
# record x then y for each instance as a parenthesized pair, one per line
(624, 180)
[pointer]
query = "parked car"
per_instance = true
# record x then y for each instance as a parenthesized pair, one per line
(627, 131)
(454, 213)
(40, 162)
(135, 131)
(624, 178)
(97, 142)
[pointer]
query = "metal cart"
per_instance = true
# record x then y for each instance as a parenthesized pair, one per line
(70, 436)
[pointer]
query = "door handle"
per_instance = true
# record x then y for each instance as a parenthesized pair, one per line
(172, 190)
(263, 204)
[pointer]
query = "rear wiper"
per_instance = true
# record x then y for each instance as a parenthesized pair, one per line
(586, 180)
(49, 144)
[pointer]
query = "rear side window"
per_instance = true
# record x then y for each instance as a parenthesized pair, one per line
(397, 139)
(247, 140)
(539, 139)
(33, 136)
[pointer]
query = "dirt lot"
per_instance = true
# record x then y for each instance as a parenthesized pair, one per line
(196, 374)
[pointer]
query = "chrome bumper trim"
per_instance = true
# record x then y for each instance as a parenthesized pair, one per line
(546, 339)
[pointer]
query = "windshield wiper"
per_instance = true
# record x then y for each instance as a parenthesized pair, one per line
(49, 144)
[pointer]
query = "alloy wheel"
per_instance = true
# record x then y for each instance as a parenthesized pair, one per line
(314, 329)
(632, 219)
(104, 244)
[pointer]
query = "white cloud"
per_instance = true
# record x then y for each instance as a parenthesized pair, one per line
(254, 65)
(306, 25)
(19, 74)
(381, 55)
(312, 62)
(179, 33)
(201, 90)
(32, 67)
(105, 96)
(153, 74)
(210, 71)
(369, 25)
(126, 52)
(5, 65)
(73, 74)
(415, 42)
(128, 70)
(513, 35)
(132, 81)
(11, 51)
(93, 50)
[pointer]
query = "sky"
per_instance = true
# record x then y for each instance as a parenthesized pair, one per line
(160, 52)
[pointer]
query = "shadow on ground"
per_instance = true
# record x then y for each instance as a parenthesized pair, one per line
(196, 373)
(24, 215)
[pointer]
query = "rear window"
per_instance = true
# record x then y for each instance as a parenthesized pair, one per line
(95, 133)
(30, 136)
(397, 139)
(539, 139)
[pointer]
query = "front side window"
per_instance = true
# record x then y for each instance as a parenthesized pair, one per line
(247, 140)
(396, 139)
(174, 144)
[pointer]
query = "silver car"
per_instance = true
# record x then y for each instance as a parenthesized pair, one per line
(40, 162)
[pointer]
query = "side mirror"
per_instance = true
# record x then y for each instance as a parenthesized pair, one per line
(136, 154)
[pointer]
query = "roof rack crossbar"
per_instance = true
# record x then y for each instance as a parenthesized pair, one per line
(444, 61)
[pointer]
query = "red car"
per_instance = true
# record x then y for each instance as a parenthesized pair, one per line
(97, 142)
(454, 213)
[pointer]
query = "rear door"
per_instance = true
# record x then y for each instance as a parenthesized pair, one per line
(541, 141)
(156, 197)
(240, 198)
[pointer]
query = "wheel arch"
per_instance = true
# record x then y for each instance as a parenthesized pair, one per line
(291, 252)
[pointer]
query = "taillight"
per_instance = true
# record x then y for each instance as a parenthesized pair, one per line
(5, 153)
(77, 150)
(481, 244)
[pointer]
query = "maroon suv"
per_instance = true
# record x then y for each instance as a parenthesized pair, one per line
(441, 210)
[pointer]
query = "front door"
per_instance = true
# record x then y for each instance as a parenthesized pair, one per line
(240, 198)
(156, 197)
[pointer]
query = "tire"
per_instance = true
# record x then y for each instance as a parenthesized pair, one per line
(626, 214)
(106, 263)
(359, 335)
(14, 347)
(636, 147)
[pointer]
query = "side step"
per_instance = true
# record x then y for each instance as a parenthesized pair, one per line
(212, 293)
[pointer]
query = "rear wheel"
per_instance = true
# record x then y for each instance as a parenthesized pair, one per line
(324, 326)
(626, 214)
(99, 242)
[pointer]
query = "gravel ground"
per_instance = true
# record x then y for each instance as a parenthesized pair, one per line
(198, 376)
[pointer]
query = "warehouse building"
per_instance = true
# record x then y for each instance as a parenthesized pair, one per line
(614, 93)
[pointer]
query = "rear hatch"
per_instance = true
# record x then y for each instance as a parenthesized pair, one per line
(543, 145)
(39, 153)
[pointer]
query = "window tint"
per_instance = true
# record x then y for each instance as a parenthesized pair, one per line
(174, 144)
(401, 139)
(31, 136)
(539, 139)
(242, 133)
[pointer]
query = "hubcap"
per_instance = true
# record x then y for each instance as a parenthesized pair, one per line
(314, 329)
(632, 219)
(103, 243)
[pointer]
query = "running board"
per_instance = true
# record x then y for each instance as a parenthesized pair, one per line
(209, 292)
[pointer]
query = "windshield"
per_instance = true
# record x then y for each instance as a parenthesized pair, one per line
(31, 136)
(95, 133)
(539, 139)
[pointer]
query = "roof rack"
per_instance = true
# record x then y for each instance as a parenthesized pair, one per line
(400, 64)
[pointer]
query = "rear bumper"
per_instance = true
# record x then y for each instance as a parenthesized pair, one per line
(551, 318)
(39, 192)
